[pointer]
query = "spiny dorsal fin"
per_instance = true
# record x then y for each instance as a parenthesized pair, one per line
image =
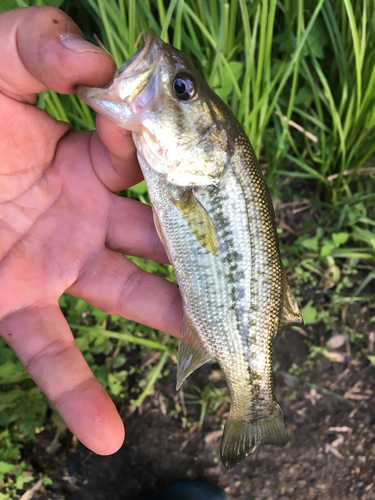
(290, 313)
(198, 221)
(191, 352)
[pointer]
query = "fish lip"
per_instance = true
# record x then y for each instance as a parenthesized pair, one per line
(99, 98)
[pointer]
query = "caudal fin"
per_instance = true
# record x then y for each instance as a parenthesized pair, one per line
(241, 437)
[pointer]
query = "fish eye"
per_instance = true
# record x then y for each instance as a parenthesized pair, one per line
(183, 87)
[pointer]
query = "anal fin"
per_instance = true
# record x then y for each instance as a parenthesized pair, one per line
(191, 352)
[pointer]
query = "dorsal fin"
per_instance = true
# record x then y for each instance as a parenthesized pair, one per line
(191, 352)
(198, 221)
(290, 313)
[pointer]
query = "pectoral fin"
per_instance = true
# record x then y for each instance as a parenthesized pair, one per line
(191, 352)
(290, 313)
(199, 222)
(160, 233)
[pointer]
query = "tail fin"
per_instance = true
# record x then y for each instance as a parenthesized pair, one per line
(241, 437)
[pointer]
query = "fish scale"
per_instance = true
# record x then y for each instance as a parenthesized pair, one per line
(214, 215)
(223, 333)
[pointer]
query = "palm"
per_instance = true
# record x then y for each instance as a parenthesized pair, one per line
(54, 227)
(61, 228)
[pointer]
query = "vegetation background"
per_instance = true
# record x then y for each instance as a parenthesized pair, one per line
(300, 77)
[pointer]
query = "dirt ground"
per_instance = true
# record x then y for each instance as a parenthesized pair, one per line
(330, 453)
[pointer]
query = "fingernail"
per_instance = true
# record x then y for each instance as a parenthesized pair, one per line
(78, 44)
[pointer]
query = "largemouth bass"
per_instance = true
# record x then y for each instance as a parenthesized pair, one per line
(214, 215)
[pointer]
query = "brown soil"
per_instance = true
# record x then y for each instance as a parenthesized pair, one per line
(330, 454)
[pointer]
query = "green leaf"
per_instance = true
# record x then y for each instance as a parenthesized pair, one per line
(237, 69)
(286, 42)
(83, 343)
(6, 468)
(311, 243)
(223, 92)
(304, 97)
(118, 361)
(309, 313)
(366, 236)
(340, 238)
(317, 39)
(8, 368)
(115, 386)
(327, 249)
(100, 316)
(22, 480)
(223, 83)
(102, 345)
(10, 446)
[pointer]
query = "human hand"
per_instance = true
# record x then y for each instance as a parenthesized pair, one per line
(62, 226)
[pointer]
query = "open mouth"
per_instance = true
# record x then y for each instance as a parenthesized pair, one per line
(115, 99)
(143, 58)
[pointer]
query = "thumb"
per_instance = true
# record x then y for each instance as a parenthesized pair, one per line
(42, 48)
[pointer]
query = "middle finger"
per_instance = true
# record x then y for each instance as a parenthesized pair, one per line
(131, 230)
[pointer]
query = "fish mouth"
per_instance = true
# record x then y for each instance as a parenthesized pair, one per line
(117, 100)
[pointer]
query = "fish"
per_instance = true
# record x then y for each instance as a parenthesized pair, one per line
(214, 214)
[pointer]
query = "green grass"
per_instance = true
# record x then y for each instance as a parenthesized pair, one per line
(300, 77)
